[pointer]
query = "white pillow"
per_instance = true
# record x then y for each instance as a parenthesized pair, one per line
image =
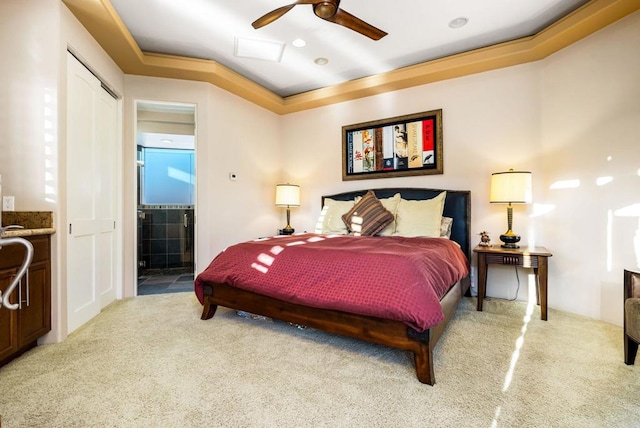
(391, 204)
(445, 227)
(420, 218)
(330, 220)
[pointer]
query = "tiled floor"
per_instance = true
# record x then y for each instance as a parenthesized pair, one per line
(158, 284)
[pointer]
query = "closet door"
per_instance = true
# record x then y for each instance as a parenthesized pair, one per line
(106, 194)
(90, 195)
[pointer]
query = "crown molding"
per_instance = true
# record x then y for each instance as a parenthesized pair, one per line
(103, 23)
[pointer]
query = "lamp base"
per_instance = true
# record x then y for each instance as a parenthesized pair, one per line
(286, 231)
(510, 240)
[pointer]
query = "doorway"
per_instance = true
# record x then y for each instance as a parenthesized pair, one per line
(165, 140)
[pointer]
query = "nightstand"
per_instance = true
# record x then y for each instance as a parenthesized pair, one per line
(534, 257)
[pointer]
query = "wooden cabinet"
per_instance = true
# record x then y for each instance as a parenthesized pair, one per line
(8, 319)
(20, 329)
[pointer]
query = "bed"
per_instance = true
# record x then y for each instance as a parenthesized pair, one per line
(417, 334)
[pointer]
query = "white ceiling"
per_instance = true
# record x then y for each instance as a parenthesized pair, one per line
(418, 32)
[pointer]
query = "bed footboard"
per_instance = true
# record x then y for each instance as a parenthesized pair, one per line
(376, 330)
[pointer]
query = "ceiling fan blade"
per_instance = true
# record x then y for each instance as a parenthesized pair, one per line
(268, 18)
(345, 19)
(272, 16)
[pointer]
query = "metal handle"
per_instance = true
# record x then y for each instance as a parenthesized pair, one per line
(4, 300)
(20, 294)
(186, 220)
(26, 289)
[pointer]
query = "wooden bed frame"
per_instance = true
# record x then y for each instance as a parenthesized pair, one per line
(385, 332)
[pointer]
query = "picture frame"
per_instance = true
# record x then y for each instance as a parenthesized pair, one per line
(394, 147)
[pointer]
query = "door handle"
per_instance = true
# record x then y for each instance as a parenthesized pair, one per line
(20, 294)
(186, 220)
(28, 292)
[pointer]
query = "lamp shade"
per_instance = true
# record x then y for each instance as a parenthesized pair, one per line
(287, 195)
(511, 187)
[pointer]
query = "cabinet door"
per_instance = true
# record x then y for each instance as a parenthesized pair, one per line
(34, 315)
(8, 319)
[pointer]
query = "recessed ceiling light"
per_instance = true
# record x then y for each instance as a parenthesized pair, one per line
(299, 43)
(458, 22)
(321, 61)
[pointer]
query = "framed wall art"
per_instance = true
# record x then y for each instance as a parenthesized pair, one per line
(394, 147)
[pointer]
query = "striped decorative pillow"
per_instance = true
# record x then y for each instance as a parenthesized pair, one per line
(368, 216)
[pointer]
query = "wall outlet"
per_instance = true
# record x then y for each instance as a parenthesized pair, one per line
(8, 203)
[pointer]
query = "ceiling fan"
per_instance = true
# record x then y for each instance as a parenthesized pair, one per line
(329, 11)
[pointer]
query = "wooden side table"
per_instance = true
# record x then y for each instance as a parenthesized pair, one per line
(534, 257)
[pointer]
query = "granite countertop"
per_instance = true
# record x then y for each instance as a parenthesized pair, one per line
(28, 232)
(33, 223)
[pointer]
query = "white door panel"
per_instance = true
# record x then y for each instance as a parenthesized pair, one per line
(81, 295)
(91, 195)
(82, 227)
(82, 90)
(106, 196)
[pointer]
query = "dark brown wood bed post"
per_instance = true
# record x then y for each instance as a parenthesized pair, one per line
(424, 364)
(209, 310)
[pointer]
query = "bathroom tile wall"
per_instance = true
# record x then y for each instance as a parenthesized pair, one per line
(166, 237)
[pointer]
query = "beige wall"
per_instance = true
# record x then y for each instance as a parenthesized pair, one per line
(559, 118)
(232, 136)
(590, 124)
(491, 122)
(35, 38)
(29, 49)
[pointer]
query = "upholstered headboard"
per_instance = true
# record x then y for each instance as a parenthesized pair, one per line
(457, 205)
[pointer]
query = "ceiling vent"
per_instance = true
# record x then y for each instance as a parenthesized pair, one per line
(258, 49)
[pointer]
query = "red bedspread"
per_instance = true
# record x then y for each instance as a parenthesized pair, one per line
(394, 278)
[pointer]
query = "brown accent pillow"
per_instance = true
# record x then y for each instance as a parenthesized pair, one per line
(368, 216)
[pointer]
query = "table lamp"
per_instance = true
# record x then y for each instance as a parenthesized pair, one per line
(288, 195)
(510, 187)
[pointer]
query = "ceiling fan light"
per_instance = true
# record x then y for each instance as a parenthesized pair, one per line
(325, 10)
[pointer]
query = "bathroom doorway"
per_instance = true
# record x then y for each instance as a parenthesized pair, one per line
(166, 141)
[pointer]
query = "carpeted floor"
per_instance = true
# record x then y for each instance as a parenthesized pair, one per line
(151, 362)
